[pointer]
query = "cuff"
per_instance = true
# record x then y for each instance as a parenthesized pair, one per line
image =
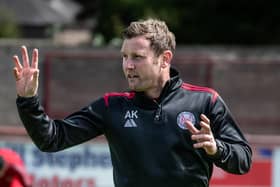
(220, 150)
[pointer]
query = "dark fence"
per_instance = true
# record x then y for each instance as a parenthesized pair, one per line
(249, 86)
(70, 78)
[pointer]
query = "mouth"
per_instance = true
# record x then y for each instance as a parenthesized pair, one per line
(129, 76)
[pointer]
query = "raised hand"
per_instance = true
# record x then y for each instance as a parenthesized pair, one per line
(26, 75)
(204, 137)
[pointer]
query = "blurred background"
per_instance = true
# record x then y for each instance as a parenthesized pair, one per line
(231, 46)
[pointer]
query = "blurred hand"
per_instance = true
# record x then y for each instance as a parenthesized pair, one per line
(204, 137)
(26, 75)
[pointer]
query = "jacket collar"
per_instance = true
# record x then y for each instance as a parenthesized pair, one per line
(171, 85)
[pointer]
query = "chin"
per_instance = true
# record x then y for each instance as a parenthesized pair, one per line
(134, 88)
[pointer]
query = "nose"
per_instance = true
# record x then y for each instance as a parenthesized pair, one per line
(129, 64)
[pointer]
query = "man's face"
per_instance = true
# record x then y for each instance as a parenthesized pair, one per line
(142, 68)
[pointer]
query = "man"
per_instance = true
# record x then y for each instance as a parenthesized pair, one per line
(162, 133)
(12, 170)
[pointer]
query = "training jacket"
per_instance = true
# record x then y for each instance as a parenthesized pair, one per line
(149, 143)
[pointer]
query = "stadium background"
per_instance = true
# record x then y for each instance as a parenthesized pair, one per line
(71, 78)
(72, 74)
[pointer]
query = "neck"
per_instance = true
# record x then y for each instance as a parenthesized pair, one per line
(155, 92)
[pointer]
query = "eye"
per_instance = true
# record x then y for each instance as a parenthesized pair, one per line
(124, 56)
(137, 57)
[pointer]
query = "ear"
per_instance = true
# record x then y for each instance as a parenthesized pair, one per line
(166, 58)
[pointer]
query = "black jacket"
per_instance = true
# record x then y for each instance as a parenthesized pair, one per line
(149, 143)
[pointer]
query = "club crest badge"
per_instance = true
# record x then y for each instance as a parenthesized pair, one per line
(183, 117)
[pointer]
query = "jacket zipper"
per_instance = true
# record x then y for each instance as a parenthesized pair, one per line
(158, 113)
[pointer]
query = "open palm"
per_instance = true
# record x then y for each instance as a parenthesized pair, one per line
(26, 75)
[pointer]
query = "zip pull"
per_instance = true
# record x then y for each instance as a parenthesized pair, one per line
(158, 113)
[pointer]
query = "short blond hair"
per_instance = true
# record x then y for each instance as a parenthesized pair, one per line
(155, 31)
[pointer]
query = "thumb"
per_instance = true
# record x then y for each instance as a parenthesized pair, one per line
(35, 82)
(36, 77)
(16, 74)
(36, 74)
(191, 127)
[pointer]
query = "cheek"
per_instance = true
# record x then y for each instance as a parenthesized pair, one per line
(150, 73)
(123, 66)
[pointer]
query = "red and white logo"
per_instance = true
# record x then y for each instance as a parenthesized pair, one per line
(183, 117)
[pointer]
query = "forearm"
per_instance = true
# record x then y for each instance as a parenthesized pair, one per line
(54, 135)
(35, 121)
(233, 157)
(235, 154)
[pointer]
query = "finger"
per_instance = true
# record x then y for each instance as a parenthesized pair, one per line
(36, 75)
(202, 144)
(205, 123)
(204, 118)
(16, 74)
(205, 126)
(191, 127)
(25, 57)
(201, 137)
(17, 63)
(35, 59)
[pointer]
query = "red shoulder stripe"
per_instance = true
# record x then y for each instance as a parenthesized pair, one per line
(128, 95)
(201, 89)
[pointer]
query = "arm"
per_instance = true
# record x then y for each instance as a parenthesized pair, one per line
(53, 135)
(48, 134)
(222, 140)
(234, 153)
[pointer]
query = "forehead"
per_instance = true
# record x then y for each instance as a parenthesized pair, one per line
(136, 44)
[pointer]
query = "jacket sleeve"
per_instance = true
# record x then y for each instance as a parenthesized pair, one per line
(51, 135)
(234, 154)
